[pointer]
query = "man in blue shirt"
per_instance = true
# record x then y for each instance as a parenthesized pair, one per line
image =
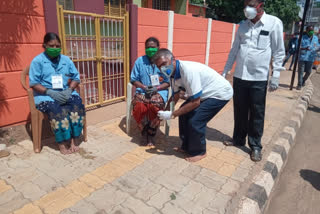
(309, 47)
(293, 45)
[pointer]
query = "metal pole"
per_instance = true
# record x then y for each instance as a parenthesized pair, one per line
(306, 6)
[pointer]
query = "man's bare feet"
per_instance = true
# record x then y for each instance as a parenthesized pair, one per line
(196, 158)
(63, 149)
(73, 146)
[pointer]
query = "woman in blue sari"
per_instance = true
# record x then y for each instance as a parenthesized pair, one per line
(53, 78)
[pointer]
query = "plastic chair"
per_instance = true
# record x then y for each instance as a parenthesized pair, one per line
(130, 93)
(37, 116)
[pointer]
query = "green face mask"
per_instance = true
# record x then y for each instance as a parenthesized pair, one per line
(310, 33)
(53, 52)
(151, 51)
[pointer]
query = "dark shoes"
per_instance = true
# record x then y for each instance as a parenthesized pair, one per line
(256, 155)
(298, 87)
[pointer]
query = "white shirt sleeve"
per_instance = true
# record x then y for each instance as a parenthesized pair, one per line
(277, 48)
(233, 54)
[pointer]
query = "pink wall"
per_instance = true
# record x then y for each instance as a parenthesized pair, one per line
(147, 26)
(21, 34)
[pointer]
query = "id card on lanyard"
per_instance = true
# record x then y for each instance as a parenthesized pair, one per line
(154, 78)
(56, 79)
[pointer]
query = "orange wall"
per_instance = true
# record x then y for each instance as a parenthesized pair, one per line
(190, 38)
(21, 33)
(221, 38)
(147, 26)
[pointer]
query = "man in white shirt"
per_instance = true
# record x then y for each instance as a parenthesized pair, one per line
(206, 91)
(258, 38)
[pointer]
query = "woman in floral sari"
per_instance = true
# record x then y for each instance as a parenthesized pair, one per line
(53, 78)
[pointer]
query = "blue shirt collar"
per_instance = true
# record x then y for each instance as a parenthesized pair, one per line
(177, 74)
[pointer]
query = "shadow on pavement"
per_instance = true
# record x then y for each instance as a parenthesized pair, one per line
(312, 177)
(314, 108)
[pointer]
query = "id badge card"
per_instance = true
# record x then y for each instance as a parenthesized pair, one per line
(155, 80)
(57, 82)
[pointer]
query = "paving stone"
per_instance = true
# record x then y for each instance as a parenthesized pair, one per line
(4, 186)
(149, 170)
(62, 203)
(130, 183)
(68, 211)
(4, 169)
(191, 189)
(66, 174)
(230, 187)
(247, 164)
(172, 181)
(92, 181)
(16, 149)
(240, 174)
(159, 199)
(79, 188)
(169, 208)
(121, 210)
(227, 169)
(46, 183)
(210, 211)
(31, 191)
(191, 171)
(18, 164)
(203, 199)
(220, 203)
(26, 144)
(211, 179)
(29, 208)
(137, 206)
(83, 207)
(21, 176)
(107, 198)
(147, 191)
(11, 200)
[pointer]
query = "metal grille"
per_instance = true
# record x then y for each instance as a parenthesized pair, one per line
(97, 45)
(161, 4)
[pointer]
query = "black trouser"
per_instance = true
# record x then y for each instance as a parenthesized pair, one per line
(249, 102)
(192, 125)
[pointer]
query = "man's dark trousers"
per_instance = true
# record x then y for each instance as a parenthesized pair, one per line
(249, 102)
(192, 126)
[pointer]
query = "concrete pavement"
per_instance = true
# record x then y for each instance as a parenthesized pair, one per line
(297, 190)
(113, 174)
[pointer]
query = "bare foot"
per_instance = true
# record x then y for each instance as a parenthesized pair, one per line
(73, 146)
(196, 158)
(178, 149)
(63, 149)
(150, 141)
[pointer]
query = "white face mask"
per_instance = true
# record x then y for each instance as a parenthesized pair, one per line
(250, 12)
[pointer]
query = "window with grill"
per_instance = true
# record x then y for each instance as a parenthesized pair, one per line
(115, 7)
(161, 4)
(67, 4)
